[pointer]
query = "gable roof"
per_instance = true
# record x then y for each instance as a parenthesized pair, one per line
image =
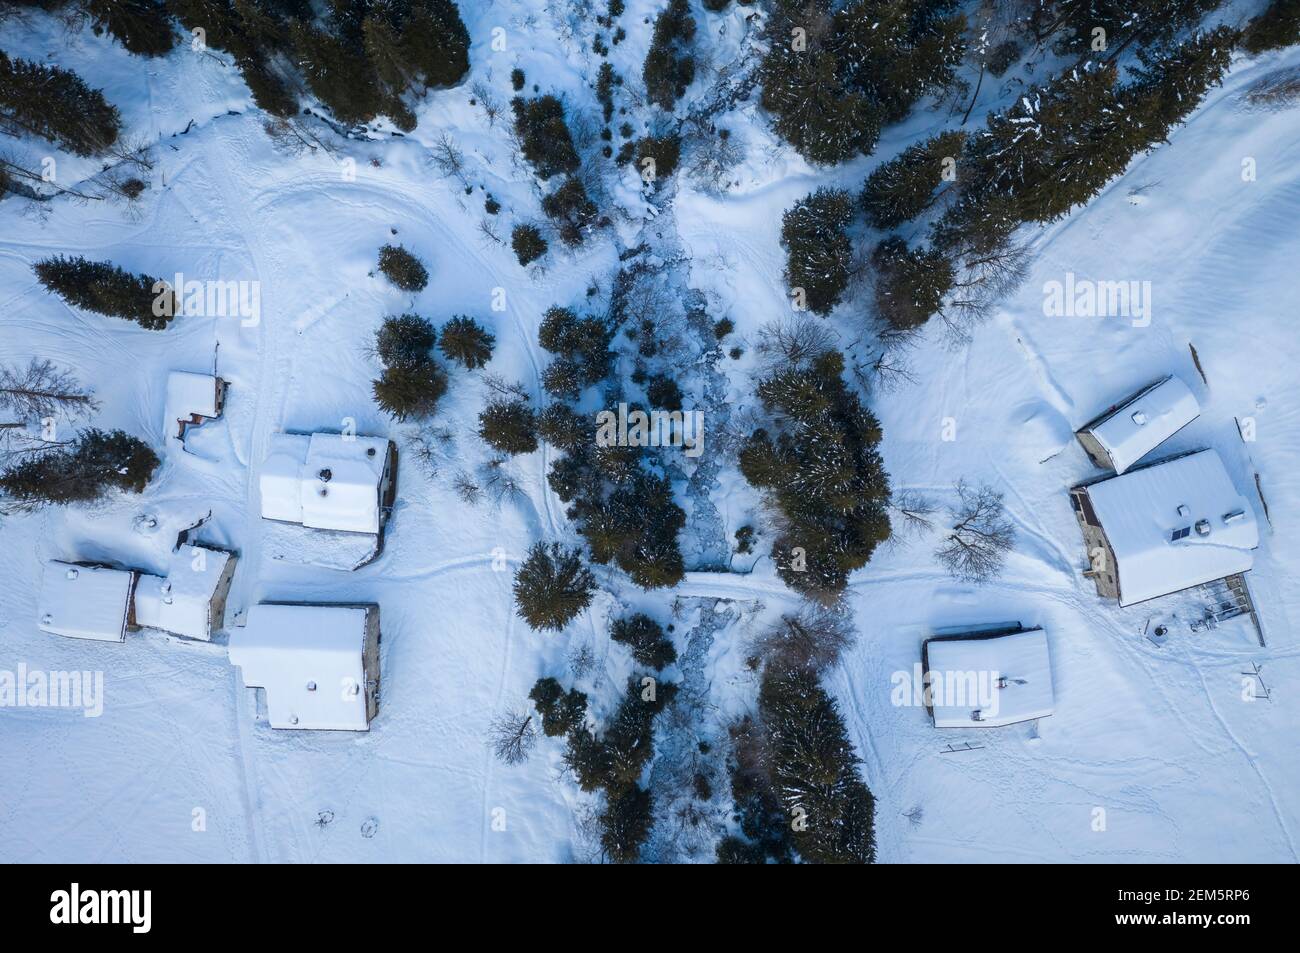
(1142, 511)
(85, 602)
(324, 481)
(1145, 421)
(182, 602)
(309, 659)
(1019, 657)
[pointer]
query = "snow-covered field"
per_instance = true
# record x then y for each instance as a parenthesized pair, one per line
(1154, 752)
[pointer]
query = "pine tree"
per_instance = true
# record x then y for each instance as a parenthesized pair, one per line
(528, 243)
(142, 26)
(402, 268)
(813, 111)
(561, 711)
(56, 103)
(1171, 82)
(582, 342)
(1276, 27)
(571, 210)
(544, 137)
(899, 190)
(559, 426)
(664, 152)
(645, 638)
(910, 283)
(338, 74)
(407, 391)
(814, 769)
(96, 463)
(823, 471)
(552, 586)
(404, 341)
(509, 426)
(818, 253)
(894, 52)
(1056, 147)
(669, 64)
(103, 288)
(625, 822)
(466, 342)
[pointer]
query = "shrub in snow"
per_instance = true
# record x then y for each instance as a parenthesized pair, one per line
(664, 393)
(903, 188)
(1276, 27)
(910, 283)
(824, 473)
(408, 391)
(646, 640)
(56, 103)
(669, 65)
(404, 341)
(663, 151)
(561, 711)
(818, 253)
(103, 288)
(544, 137)
(89, 467)
(509, 426)
(552, 586)
(571, 210)
(402, 268)
(142, 26)
(528, 243)
(466, 342)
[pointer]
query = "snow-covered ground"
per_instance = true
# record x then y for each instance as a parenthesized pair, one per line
(1153, 754)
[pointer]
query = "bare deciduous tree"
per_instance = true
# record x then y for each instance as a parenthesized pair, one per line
(984, 279)
(42, 390)
(914, 512)
(512, 736)
(793, 342)
(466, 488)
(812, 638)
(981, 535)
(449, 160)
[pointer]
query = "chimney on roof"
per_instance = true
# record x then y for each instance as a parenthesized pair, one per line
(1202, 527)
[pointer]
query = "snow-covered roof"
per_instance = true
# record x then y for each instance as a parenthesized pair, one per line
(309, 659)
(1174, 525)
(1006, 678)
(1146, 421)
(189, 393)
(182, 602)
(84, 602)
(325, 481)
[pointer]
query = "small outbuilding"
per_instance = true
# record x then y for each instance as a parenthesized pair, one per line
(1126, 432)
(987, 677)
(192, 399)
(1165, 527)
(191, 599)
(318, 665)
(86, 601)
